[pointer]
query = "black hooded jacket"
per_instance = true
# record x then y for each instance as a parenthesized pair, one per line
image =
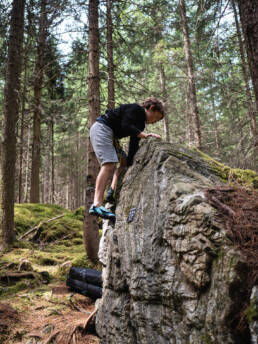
(126, 120)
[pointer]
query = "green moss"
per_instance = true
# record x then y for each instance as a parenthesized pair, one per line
(59, 245)
(61, 228)
(28, 215)
(62, 272)
(246, 178)
(206, 339)
(82, 261)
(47, 261)
(219, 257)
(23, 244)
(252, 312)
(68, 226)
(17, 287)
(77, 214)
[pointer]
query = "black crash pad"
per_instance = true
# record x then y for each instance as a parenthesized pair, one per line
(90, 276)
(87, 282)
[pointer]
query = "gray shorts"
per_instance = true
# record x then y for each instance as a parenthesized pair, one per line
(102, 140)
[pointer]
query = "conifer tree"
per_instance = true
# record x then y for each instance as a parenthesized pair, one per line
(10, 118)
(91, 233)
(191, 78)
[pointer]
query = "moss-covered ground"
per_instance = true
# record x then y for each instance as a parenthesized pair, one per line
(44, 259)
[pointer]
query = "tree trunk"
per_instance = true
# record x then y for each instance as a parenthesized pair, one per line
(10, 118)
(215, 122)
(52, 125)
(27, 163)
(24, 91)
(111, 78)
(91, 232)
(188, 119)
(191, 78)
(164, 99)
(35, 168)
(25, 62)
(251, 111)
(248, 10)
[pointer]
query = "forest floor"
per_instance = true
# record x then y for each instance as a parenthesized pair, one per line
(36, 307)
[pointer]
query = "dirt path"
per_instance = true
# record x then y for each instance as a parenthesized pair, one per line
(45, 315)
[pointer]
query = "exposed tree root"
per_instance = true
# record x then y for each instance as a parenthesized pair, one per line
(238, 207)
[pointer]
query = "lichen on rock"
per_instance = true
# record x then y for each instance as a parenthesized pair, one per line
(172, 275)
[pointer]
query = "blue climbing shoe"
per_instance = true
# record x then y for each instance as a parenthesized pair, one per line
(102, 212)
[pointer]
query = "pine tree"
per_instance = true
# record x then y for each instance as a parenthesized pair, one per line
(91, 233)
(35, 167)
(191, 78)
(249, 19)
(10, 118)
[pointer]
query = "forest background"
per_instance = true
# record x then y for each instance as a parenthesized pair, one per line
(190, 54)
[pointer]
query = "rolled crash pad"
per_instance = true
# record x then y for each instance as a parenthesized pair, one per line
(90, 276)
(86, 289)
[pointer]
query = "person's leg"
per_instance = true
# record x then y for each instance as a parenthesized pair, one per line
(112, 189)
(117, 173)
(104, 175)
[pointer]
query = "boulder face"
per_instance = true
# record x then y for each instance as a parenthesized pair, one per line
(171, 275)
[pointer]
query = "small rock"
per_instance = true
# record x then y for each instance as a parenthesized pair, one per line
(25, 265)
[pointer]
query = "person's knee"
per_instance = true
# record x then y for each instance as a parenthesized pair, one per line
(109, 167)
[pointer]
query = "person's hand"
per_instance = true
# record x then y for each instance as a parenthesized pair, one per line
(143, 135)
(154, 135)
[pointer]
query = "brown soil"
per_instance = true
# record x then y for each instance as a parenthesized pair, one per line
(8, 317)
(52, 316)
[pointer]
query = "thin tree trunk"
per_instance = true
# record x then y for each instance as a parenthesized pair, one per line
(10, 118)
(23, 107)
(191, 78)
(27, 162)
(215, 122)
(248, 10)
(22, 130)
(188, 118)
(251, 111)
(35, 168)
(164, 99)
(91, 233)
(110, 60)
(52, 125)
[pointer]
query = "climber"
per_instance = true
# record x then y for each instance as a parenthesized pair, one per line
(126, 120)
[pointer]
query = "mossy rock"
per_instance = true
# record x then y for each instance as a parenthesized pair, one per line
(247, 178)
(61, 228)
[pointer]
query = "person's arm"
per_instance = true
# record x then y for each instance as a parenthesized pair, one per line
(143, 135)
(134, 145)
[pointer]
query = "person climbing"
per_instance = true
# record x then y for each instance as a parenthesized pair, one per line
(126, 120)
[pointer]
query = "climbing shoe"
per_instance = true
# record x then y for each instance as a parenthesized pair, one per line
(110, 196)
(102, 212)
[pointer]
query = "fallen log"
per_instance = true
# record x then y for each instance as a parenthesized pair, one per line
(33, 229)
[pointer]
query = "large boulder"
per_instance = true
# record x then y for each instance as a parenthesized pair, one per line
(171, 275)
